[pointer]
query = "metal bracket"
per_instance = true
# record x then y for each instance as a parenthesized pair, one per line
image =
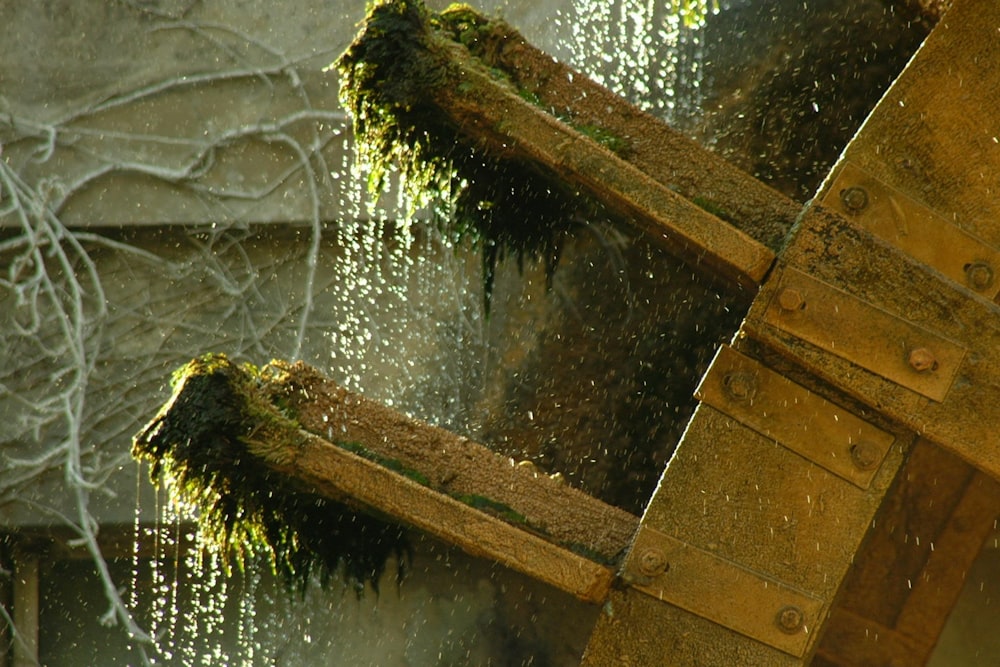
(795, 417)
(723, 592)
(855, 330)
(915, 229)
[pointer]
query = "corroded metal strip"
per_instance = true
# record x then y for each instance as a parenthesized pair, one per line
(723, 592)
(915, 229)
(864, 334)
(799, 419)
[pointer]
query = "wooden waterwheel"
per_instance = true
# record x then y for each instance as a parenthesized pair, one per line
(861, 392)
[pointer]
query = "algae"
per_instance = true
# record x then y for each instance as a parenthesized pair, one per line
(392, 76)
(210, 445)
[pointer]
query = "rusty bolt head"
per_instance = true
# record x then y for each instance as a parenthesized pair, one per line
(864, 455)
(979, 275)
(922, 360)
(854, 199)
(790, 619)
(791, 299)
(740, 385)
(653, 562)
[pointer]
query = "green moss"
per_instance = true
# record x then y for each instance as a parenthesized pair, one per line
(501, 510)
(390, 77)
(712, 207)
(609, 140)
(213, 444)
(392, 464)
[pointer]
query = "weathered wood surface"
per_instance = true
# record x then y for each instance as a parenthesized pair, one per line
(453, 464)
(920, 310)
(934, 135)
(761, 508)
(336, 473)
(845, 311)
(495, 114)
(656, 149)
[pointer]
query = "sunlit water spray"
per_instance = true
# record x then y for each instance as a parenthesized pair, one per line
(409, 329)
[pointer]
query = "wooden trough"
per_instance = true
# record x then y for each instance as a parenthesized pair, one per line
(858, 401)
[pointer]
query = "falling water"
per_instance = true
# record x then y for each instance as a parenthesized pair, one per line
(404, 323)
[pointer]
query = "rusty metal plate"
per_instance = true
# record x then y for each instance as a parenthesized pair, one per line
(915, 229)
(866, 335)
(723, 592)
(795, 417)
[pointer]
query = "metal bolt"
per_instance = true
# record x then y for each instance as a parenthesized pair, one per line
(864, 455)
(740, 385)
(790, 619)
(791, 299)
(979, 275)
(653, 562)
(922, 360)
(854, 199)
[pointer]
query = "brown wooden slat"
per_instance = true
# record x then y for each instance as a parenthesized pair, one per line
(452, 463)
(834, 252)
(498, 116)
(656, 149)
(934, 135)
(911, 569)
(760, 506)
(337, 473)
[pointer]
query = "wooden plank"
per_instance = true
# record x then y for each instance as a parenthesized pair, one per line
(937, 589)
(862, 641)
(452, 463)
(656, 149)
(495, 115)
(480, 103)
(336, 473)
(795, 417)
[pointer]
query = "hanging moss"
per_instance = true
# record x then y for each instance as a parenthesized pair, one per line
(404, 57)
(210, 445)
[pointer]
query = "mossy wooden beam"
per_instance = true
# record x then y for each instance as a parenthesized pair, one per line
(232, 441)
(660, 152)
(334, 472)
(452, 463)
(422, 99)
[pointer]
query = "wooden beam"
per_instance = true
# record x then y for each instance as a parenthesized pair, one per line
(451, 463)
(26, 630)
(336, 473)
(767, 507)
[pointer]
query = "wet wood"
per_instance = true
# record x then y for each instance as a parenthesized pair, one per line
(934, 135)
(850, 260)
(453, 464)
(336, 473)
(656, 149)
(494, 115)
(762, 507)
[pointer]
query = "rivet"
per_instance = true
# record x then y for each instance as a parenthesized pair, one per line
(979, 275)
(922, 360)
(854, 199)
(653, 562)
(791, 299)
(864, 455)
(740, 385)
(790, 619)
